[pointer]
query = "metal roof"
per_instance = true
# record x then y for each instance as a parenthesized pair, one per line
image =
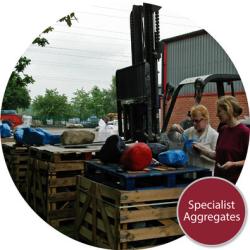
(185, 36)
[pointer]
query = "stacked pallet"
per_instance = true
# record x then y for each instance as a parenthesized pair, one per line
(51, 181)
(121, 209)
(120, 219)
(16, 158)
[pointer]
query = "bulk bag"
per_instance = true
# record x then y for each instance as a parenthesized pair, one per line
(173, 157)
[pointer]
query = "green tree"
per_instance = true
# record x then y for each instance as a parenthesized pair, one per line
(52, 105)
(96, 102)
(16, 94)
(103, 101)
(113, 96)
(80, 103)
(109, 98)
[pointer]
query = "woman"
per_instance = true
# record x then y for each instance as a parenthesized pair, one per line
(200, 132)
(232, 144)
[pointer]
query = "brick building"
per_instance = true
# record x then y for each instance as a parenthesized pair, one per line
(195, 54)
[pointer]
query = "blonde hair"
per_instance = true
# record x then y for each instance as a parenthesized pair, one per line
(200, 109)
(230, 104)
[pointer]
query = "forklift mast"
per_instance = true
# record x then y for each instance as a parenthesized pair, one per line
(137, 85)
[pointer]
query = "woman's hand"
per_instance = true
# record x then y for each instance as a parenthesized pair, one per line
(204, 150)
(178, 128)
(199, 147)
(232, 164)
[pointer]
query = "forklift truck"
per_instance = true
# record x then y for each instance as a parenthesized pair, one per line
(138, 101)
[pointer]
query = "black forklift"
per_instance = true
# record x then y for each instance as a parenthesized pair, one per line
(137, 85)
(138, 97)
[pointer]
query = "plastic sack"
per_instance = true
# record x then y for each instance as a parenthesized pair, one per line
(188, 146)
(136, 157)
(18, 136)
(49, 138)
(33, 137)
(37, 136)
(173, 157)
(112, 149)
(5, 130)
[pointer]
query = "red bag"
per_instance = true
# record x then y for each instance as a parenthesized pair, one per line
(136, 157)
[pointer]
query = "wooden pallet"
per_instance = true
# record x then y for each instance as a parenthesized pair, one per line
(13, 148)
(117, 219)
(60, 154)
(52, 189)
(152, 177)
(7, 139)
(16, 158)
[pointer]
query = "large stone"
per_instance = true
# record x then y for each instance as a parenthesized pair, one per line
(75, 137)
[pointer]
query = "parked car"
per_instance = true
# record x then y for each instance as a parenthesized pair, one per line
(91, 122)
(11, 117)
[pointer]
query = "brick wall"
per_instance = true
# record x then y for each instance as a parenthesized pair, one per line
(184, 103)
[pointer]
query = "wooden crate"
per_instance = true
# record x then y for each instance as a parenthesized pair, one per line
(16, 158)
(51, 181)
(117, 219)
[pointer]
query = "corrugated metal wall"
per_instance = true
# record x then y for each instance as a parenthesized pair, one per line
(199, 55)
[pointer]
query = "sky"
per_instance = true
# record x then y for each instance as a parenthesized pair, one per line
(90, 52)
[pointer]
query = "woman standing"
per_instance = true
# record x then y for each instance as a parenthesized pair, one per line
(232, 143)
(201, 132)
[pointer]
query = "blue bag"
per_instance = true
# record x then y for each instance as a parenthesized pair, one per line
(37, 136)
(50, 138)
(33, 137)
(18, 136)
(5, 130)
(173, 157)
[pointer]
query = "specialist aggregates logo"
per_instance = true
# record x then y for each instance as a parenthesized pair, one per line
(198, 212)
(211, 211)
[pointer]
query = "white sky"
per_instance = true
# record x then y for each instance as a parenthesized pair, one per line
(90, 52)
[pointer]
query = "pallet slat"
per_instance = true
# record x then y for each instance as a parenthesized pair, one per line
(146, 215)
(150, 233)
(51, 153)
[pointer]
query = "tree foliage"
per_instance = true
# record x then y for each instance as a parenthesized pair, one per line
(52, 105)
(16, 94)
(84, 104)
(41, 41)
(97, 101)
(80, 104)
